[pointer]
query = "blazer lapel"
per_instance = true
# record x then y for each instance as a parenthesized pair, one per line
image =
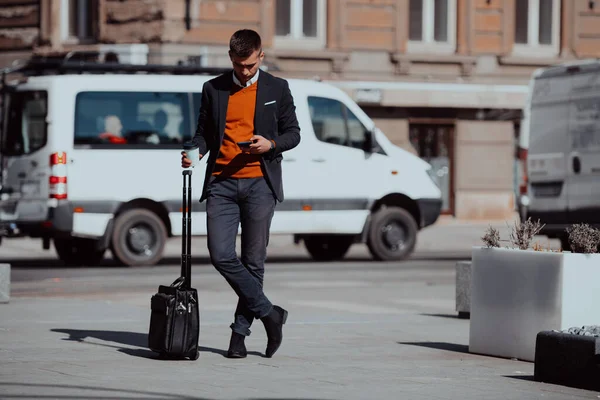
(262, 92)
(223, 102)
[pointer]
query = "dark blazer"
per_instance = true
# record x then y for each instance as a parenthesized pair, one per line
(276, 121)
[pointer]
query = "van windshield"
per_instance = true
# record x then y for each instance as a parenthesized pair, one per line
(26, 123)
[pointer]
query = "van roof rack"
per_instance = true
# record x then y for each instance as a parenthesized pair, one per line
(44, 65)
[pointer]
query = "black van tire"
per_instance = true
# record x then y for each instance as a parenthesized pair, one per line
(75, 251)
(136, 248)
(328, 247)
(392, 234)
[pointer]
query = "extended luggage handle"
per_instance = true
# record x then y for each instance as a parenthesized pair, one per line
(186, 231)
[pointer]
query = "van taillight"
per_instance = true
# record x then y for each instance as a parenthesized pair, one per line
(58, 158)
(58, 176)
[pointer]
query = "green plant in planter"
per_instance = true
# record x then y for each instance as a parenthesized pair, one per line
(491, 238)
(522, 233)
(583, 238)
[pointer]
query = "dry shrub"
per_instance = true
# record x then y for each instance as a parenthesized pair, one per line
(583, 238)
(523, 233)
(491, 237)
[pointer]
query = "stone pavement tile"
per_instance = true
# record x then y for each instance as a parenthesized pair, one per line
(88, 347)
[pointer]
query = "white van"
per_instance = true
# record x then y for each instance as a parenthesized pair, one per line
(69, 178)
(561, 136)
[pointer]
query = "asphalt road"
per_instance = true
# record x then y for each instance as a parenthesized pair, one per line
(438, 248)
(45, 276)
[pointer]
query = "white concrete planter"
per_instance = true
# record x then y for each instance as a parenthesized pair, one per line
(515, 294)
(4, 283)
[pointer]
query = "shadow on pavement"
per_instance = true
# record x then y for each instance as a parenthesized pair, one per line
(450, 316)
(94, 392)
(129, 339)
(458, 348)
(528, 378)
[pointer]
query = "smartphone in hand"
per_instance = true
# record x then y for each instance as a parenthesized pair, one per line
(245, 144)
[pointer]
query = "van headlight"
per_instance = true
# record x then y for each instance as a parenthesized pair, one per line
(433, 176)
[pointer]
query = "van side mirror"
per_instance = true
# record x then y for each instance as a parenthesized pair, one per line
(369, 142)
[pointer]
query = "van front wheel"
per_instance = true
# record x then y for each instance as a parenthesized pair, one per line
(138, 238)
(392, 234)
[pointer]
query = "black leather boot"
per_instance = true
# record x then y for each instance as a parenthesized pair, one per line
(237, 348)
(274, 327)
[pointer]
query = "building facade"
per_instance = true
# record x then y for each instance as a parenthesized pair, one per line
(445, 79)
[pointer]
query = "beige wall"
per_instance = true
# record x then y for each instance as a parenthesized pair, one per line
(483, 169)
(216, 20)
(366, 39)
(19, 25)
(396, 130)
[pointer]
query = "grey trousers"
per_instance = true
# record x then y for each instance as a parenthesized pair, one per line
(251, 202)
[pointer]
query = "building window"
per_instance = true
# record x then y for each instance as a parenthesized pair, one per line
(537, 27)
(300, 23)
(77, 20)
(432, 26)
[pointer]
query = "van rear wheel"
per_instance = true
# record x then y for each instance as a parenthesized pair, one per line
(74, 251)
(392, 234)
(138, 238)
(328, 247)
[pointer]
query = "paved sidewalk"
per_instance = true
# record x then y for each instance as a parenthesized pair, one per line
(357, 330)
(336, 346)
(67, 348)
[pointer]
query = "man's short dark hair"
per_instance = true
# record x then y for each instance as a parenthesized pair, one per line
(244, 42)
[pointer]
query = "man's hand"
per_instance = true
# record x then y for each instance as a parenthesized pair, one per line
(186, 162)
(260, 145)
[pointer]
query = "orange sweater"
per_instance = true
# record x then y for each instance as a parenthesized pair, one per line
(239, 127)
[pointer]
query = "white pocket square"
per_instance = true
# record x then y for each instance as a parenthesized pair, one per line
(270, 102)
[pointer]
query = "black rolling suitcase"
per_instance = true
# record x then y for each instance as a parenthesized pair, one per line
(175, 318)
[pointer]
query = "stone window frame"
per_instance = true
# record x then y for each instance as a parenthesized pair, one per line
(533, 48)
(296, 40)
(427, 44)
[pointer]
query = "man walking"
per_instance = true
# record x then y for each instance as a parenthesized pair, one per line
(243, 181)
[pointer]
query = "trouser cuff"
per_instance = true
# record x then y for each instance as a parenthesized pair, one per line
(240, 329)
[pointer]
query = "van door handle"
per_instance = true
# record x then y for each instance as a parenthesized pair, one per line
(576, 164)
(289, 159)
(318, 159)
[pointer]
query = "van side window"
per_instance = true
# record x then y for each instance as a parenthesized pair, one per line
(334, 123)
(356, 130)
(328, 121)
(131, 118)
